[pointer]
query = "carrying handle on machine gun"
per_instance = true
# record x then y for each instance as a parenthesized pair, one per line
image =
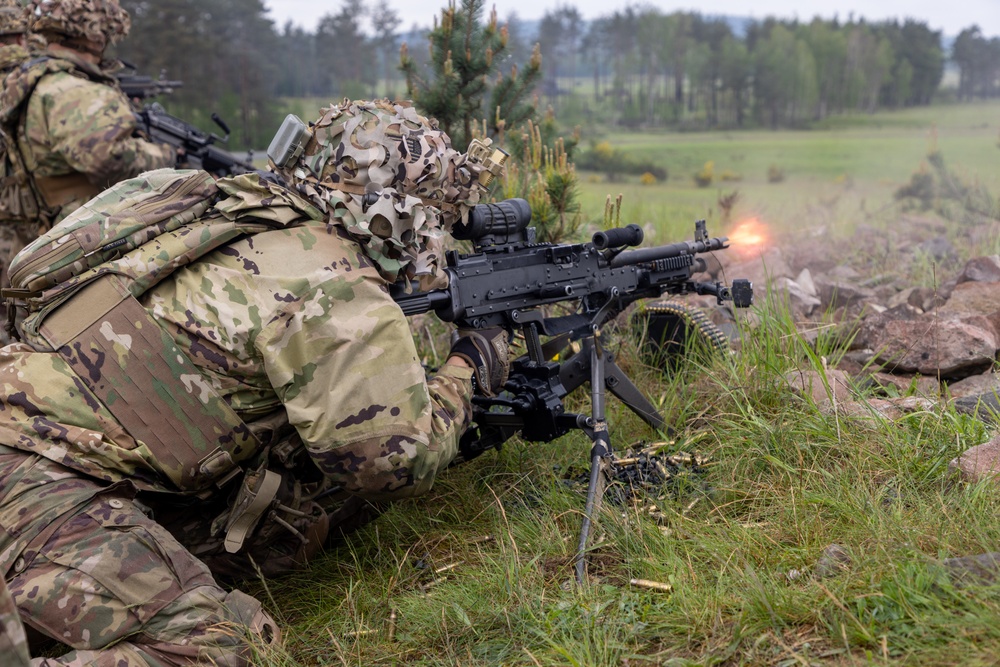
(222, 125)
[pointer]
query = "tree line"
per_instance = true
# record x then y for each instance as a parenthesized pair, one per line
(683, 67)
(634, 67)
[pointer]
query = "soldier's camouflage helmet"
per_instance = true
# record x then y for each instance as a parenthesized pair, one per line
(392, 178)
(98, 21)
(13, 17)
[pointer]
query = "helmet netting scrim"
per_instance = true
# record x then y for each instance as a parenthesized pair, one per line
(13, 18)
(98, 21)
(391, 177)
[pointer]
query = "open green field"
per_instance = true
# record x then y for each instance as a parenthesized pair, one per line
(844, 172)
(479, 572)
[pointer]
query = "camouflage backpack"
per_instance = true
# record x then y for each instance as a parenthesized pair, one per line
(74, 291)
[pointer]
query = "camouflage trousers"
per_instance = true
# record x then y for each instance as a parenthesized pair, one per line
(13, 238)
(90, 570)
(13, 643)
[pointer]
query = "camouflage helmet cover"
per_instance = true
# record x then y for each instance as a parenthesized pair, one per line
(13, 17)
(391, 177)
(98, 21)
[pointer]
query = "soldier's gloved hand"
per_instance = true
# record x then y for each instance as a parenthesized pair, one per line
(488, 352)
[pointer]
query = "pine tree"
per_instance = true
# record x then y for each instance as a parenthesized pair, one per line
(466, 57)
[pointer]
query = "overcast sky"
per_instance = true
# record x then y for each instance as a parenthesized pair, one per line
(951, 16)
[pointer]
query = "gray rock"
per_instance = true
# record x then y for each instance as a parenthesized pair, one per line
(980, 569)
(805, 281)
(974, 385)
(978, 463)
(939, 248)
(834, 560)
(981, 270)
(983, 406)
(840, 293)
(951, 348)
(823, 391)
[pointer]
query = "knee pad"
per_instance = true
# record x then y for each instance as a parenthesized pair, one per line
(247, 612)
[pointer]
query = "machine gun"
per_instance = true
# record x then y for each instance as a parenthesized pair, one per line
(140, 87)
(506, 281)
(198, 149)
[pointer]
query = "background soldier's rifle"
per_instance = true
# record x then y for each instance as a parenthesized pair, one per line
(138, 87)
(198, 149)
(195, 149)
(506, 281)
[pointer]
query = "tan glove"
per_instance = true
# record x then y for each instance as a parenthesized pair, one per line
(488, 352)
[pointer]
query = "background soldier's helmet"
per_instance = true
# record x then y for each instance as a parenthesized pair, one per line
(13, 17)
(98, 21)
(397, 176)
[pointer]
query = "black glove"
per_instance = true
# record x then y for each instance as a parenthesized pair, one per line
(487, 351)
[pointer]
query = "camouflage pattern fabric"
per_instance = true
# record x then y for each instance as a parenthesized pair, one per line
(100, 21)
(296, 318)
(71, 119)
(13, 643)
(12, 239)
(417, 184)
(11, 55)
(13, 18)
(108, 582)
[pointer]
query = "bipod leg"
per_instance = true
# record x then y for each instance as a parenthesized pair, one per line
(626, 391)
(600, 454)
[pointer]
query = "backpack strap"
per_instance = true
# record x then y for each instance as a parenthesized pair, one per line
(149, 384)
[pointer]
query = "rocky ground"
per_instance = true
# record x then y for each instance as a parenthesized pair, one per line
(919, 318)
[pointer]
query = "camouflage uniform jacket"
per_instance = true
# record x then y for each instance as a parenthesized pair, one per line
(297, 318)
(11, 55)
(71, 119)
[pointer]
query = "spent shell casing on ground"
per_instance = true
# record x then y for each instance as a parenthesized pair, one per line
(655, 585)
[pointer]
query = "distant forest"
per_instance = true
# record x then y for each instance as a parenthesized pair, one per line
(635, 67)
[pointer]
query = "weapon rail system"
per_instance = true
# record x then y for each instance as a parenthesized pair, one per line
(505, 282)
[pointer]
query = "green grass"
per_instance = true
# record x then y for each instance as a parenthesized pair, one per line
(738, 543)
(835, 177)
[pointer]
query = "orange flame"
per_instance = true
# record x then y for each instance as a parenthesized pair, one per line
(751, 235)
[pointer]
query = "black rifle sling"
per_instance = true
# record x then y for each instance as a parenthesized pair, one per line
(134, 367)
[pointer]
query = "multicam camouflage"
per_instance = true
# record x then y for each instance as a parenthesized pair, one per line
(74, 130)
(296, 318)
(13, 18)
(89, 569)
(66, 133)
(13, 642)
(391, 177)
(294, 321)
(100, 21)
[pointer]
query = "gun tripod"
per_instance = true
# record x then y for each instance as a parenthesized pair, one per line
(533, 406)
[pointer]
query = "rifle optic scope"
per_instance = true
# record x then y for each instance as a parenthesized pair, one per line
(503, 220)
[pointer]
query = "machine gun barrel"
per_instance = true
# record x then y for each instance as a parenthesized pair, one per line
(509, 279)
(642, 255)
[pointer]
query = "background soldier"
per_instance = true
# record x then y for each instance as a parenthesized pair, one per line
(13, 25)
(71, 132)
(14, 234)
(295, 330)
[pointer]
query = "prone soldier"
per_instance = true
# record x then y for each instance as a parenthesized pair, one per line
(288, 333)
